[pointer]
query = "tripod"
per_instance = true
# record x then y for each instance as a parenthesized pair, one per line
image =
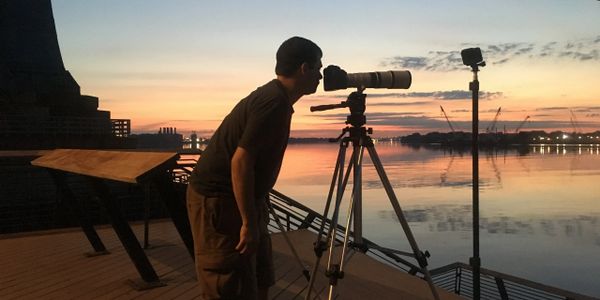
(359, 137)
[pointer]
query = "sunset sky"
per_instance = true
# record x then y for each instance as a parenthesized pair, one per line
(186, 63)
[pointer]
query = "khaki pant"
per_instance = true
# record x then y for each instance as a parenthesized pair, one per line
(222, 272)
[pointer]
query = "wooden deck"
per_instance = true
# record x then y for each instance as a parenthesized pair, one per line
(52, 265)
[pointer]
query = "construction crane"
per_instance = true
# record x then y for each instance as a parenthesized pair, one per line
(492, 126)
(574, 122)
(447, 120)
(521, 124)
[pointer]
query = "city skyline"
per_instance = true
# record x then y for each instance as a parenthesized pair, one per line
(185, 64)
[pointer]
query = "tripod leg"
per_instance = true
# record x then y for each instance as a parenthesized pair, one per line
(334, 219)
(394, 201)
(336, 271)
(332, 232)
(357, 191)
(319, 244)
(353, 207)
(337, 175)
(331, 237)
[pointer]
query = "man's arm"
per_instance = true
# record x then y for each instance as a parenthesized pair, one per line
(242, 178)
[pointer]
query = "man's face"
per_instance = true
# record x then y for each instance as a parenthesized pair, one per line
(312, 76)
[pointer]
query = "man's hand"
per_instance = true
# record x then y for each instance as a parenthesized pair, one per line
(248, 240)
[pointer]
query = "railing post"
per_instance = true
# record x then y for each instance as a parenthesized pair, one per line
(457, 280)
(501, 288)
(307, 221)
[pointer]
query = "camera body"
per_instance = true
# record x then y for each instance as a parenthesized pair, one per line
(335, 78)
(471, 57)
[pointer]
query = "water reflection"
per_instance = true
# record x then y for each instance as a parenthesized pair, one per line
(540, 196)
(564, 149)
(457, 218)
(542, 149)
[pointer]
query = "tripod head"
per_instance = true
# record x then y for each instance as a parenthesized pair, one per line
(356, 104)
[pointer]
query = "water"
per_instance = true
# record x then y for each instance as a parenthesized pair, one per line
(539, 207)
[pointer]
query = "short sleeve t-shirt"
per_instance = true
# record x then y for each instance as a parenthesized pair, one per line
(259, 123)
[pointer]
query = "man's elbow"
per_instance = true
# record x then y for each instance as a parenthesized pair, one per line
(242, 158)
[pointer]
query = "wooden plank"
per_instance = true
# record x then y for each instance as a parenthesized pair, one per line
(182, 285)
(190, 293)
(31, 269)
(131, 167)
(72, 280)
(364, 277)
(114, 284)
(58, 273)
(64, 273)
(169, 262)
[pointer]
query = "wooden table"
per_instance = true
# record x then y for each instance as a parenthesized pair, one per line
(129, 167)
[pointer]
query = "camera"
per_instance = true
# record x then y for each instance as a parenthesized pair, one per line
(472, 57)
(335, 78)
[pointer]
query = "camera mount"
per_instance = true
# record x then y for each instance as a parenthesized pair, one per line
(356, 103)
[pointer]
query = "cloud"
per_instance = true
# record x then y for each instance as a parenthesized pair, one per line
(411, 62)
(504, 110)
(551, 108)
(418, 103)
(370, 116)
(574, 109)
(147, 75)
(464, 95)
(583, 50)
(185, 121)
(413, 121)
(587, 108)
(461, 110)
(582, 56)
(491, 110)
(399, 95)
(436, 61)
(419, 122)
(436, 95)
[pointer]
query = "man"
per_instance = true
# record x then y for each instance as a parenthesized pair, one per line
(228, 192)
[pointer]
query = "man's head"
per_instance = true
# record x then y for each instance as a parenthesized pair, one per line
(300, 59)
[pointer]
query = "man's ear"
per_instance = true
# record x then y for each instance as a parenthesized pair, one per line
(304, 67)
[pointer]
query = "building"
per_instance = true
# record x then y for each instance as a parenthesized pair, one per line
(41, 105)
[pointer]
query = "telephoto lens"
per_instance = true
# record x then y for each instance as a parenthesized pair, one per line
(335, 78)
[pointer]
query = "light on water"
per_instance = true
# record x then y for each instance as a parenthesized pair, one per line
(540, 208)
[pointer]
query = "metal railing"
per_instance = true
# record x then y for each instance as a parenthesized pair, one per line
(456, 277)
(294, 215)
